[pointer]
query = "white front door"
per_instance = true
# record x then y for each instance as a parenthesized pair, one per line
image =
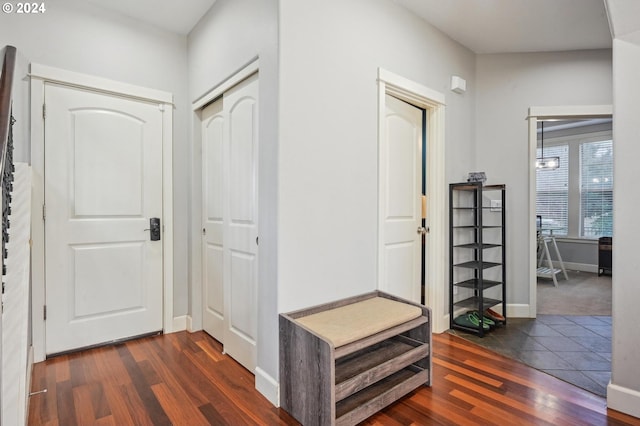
(230, 220)
(400, 194)
(103, 183)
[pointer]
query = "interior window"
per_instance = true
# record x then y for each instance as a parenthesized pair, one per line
(575, 200)
(596, 189)
(552, 196)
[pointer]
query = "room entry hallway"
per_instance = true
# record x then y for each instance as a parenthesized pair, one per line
(183, 379)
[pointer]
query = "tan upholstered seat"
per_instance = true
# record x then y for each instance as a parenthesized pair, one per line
(358, 320)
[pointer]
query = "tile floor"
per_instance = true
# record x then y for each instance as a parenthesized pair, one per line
(574, 348)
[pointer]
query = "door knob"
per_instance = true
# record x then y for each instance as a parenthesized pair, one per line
(422, 230)
(154, 227)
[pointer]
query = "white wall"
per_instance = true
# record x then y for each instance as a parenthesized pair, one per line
(77, 36)
(229, 36)
(329, 56)
(624, 391)
(508, 84)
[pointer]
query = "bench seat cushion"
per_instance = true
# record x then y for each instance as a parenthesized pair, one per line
(355, 321)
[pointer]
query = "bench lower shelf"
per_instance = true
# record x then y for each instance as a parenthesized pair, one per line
(365, 367)
(372, 399)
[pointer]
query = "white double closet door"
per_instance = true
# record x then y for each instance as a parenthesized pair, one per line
(230, 220)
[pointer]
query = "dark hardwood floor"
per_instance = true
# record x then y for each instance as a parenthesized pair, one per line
(183, 379)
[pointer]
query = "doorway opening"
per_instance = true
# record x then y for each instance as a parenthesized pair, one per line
(574, 216)
(569, 130)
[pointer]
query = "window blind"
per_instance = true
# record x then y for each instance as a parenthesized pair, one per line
(552, 192)
(596, 189)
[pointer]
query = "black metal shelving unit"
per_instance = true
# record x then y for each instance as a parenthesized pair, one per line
(476, 232)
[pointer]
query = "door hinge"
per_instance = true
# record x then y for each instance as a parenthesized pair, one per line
(44, 212)
(44, 312)
(44, 110)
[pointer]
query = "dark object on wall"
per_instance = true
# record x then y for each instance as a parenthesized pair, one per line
(477, 177)
(605, 245)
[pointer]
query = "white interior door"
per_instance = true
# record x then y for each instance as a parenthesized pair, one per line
(230, 220)
(213, 218)
(400, 194)
(103, 182)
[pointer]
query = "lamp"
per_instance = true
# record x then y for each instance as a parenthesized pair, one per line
(546, 163)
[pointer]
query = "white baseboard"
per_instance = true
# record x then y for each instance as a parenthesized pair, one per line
(623, 399)
(190, 324)
(268, 386)
(178, 324)
(444, 325)
(518, 310)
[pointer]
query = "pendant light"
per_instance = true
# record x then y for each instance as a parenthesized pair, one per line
(546, 163)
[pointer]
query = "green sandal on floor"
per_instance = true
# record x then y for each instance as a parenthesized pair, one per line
(486, 320)
(467, 320)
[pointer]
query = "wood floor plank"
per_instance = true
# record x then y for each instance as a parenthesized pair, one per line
(469, 373)
(111, 367)
(211, 414)
(149, 400)
(498, 400)
(106, 421)
(180, 412)
(121, 410)
(241, 397)
(184, 378)
(178, 376)
(65, 404)
(450, 410)
(83, 405)
(135, 406)
(210, 350)
(61, 365)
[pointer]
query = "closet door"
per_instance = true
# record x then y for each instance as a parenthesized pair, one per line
(230, 202)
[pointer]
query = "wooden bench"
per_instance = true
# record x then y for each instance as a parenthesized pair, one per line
(343, 361)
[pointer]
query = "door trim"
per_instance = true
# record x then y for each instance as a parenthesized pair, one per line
(535, 114)
(41, 74)
(433, 103)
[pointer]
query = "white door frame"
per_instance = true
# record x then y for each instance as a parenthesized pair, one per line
(194, 322)
(434, 104)
(548, 113)
(41, 74)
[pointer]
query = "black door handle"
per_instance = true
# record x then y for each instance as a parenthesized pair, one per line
(154, 227)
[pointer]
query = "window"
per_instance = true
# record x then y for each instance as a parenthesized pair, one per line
(552, 196)
(576, 200)
(596, 189)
